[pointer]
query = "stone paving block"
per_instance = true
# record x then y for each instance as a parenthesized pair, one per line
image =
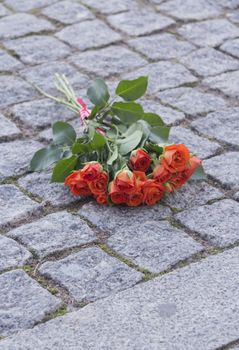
(12, 254)
(222, 125)
(169, 115)
(236, 196)
(191, 9)
(209, 33)
(15, 205)
(161, 46)
(228, 83)
(234, 16)
(8, 129)
(163, 75)
(54, 233)
(24, 306)
(8, 63)
(91, 274)
(208, 61)
(67, 12)
(27, 5)
(37, 49)
(110, 7)
(21, 24)
(40, 113)
(139, 22)
(192, 101)
(53, 193)
(231, 47)
(43, 76)
(231, 4)
(154, 246)
(192, 194)
(4, 11)
(201, 146)
(14, 90)
(95, 34)
(111, 219)
(103, 62)
(16, 156)
(193, 307)
(218, 223)
(224, 168)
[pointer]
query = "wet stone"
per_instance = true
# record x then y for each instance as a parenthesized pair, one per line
(43, 76)
(38, 49)
(110, 7)
(154, 246)
(217, 223)
(224, 168)
(16, 156)
(192, 194)
(103, 63)
(222, 125)
(96, 33)
(8, 129)
(54, 233)
(67, 12)
(111, 219)
(192, 101)
(14, 90)
(208, 61)
(190, 9)
(12, 254)
(8, 63)
(139, 22)
(27, 5)
(231, 47)
(24, 306)
(4, 11)
(91, 274)
(201, 146)
(40, 113)
(15, 205)
(161, 46)
(163, 75)
(209, 33)
(228, 83)
(21, 24)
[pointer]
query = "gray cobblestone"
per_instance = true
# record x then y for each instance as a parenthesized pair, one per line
(231, 47)
(234, 16)
(224, 168)
(15, 205)
(4, 11)
(231, 4)
(192, 101)
(110, 7)
(8, 63)
(96, 34)
(217, 223)
(27, 5)
(91, 274)
(8, 129)
(21, 24)
(228, 83)
(12, 254)
(54, 233)
(154, 246)
(22, 307)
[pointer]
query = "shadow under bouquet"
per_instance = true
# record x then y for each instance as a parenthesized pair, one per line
(122, 157)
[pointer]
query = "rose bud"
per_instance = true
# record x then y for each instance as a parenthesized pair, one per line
(99, 185)
(152, 192)
(175, 158)
(91, 171)
(116, 195)
(125, 181)
(140, 160)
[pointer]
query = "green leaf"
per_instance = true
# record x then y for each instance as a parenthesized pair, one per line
(113, 157)
(98, 141)
(63, 133)
(131, 142)
(153, 119)
(152, 147)
(199, 174)
(63, 168)
(131, 90)
(98, 93)
(159, 134)
(128, 112)
(43, 158)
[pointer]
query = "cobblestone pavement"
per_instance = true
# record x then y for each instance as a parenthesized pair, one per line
(74, 275)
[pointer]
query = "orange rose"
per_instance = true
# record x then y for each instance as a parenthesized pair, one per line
(140, 160)
(152, 192)
(116, 195)
(135, 199)
(99, 185)
(102, 198)
(77, 185)
(125, 181)
(140, 178)
(176, 158)
(161, 174)
(91, 171)
(194, 162)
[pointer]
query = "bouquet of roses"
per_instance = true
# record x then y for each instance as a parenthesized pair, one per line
(122, 157)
